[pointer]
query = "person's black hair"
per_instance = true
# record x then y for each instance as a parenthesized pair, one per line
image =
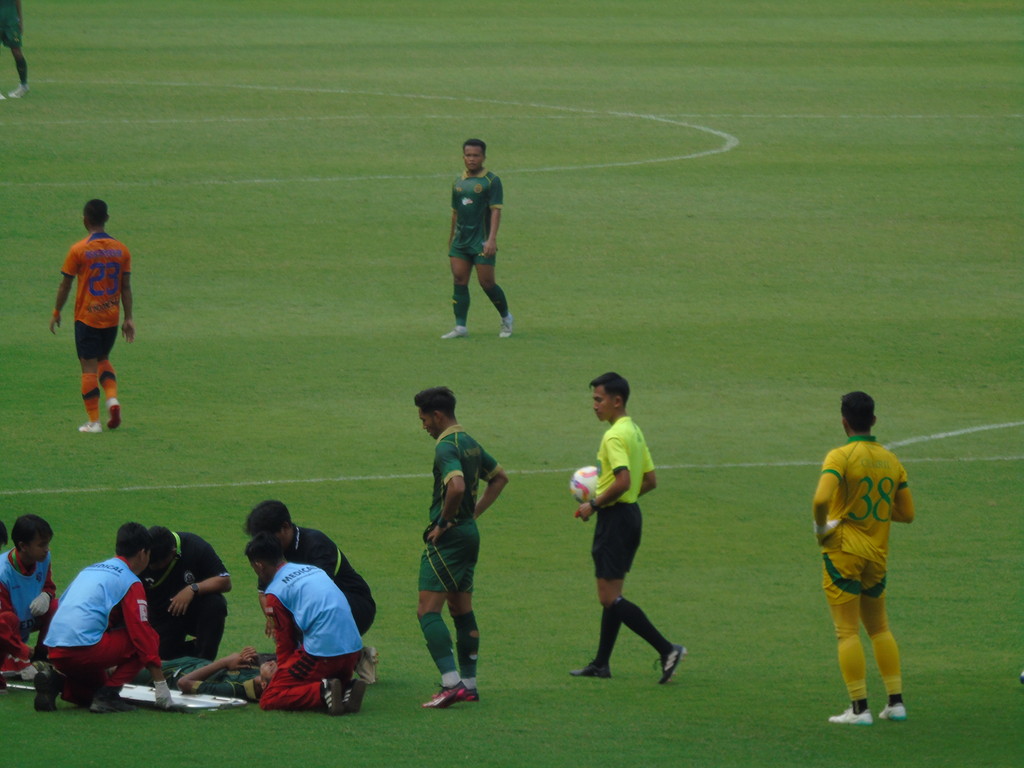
(858, 408)
(267, 517)
(132, 538)
(27, 527)
(436, 399)
(264, 548)
(163, 543)
(613, 384)
(96, 213)
(476, 143)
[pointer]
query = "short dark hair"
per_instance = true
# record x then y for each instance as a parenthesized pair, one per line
(436, 399)
(267, 517)
(27, 527)
(95, 212)
(475, 143)
(264, 548)
(163, 542)
(858, 408)
(132, 538)
(613, 384)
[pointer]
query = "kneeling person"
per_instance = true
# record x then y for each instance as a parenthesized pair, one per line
(185, 585)
(100, 636)
(318, 643)
(27, 595)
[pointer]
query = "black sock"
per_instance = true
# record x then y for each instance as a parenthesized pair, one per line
(896, 698)
(22, 67)
(859, 706)
(610, 623)
(634, 618)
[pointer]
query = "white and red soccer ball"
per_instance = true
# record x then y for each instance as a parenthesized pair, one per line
(583, 484)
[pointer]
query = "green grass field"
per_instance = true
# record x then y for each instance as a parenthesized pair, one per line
(747, 208)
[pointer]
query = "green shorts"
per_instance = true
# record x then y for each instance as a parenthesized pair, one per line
(472, 255)
(449, 566)
(10, 33)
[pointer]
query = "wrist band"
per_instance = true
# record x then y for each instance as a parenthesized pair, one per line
(56, 313)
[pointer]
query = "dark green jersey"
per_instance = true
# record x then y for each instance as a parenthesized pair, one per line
(230, 683)
(8, 11)
(456, 453)
(472, 200)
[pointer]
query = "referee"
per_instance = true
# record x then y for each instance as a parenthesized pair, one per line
(626, 473)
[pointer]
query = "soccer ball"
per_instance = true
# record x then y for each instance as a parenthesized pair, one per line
(583, 484)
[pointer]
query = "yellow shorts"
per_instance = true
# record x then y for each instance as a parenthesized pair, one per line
(847, 576)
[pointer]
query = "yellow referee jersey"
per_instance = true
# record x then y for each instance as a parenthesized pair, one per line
(623, 445)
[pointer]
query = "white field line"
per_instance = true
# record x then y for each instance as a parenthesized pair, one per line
(954, 433)
(423, 475)
(742, 116)
(729, 141)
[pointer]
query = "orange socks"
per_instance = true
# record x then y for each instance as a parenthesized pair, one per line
(108, 378)
(91, 395)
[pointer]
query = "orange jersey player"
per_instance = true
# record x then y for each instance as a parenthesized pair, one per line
(103, 267)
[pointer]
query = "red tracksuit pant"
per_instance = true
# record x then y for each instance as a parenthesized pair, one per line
(296, 684)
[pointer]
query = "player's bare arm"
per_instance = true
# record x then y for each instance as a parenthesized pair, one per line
(491, 246)
(454, 491)
(63, 291)
(903, 509)
(648, 483)
(181, 601)
(610, 495)
(244, 658)
(128, 326)
(494, 488)
(827, 485)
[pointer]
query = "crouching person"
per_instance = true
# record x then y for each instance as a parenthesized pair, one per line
(100, 636)
(27, 595)
(318, 644)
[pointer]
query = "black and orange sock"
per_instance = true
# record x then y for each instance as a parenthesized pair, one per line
(107, 378)
(91, 395)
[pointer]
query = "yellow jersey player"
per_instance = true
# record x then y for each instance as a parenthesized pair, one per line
(862, 489)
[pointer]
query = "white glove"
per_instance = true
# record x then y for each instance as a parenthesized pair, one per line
(821, 531)
(163, 695)
(40, 605)
(28, 674)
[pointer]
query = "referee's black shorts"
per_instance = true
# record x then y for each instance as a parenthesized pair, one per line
(94, 343)
(616, 540)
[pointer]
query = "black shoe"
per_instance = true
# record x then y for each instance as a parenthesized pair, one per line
(332, 693)
(669, 662)
(352, 701)
(49, 683)
(593, 670)
(108, 699)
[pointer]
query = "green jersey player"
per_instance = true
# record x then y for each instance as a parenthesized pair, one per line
(11, 31)
(453, 544)
(477, 199)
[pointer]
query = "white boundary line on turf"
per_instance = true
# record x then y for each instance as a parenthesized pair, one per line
(424, 475)
(729, 141)
(954, 433)
(742, 116)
